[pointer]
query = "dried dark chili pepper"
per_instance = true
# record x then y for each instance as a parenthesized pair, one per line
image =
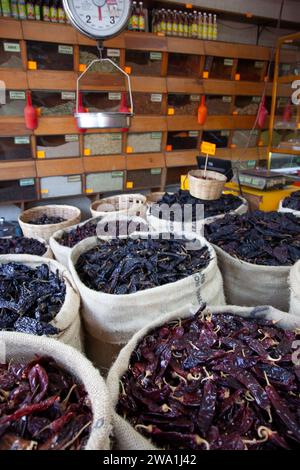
(292, 201)
(32, 417)
(214, 381)
(22, 245)
(45, 219)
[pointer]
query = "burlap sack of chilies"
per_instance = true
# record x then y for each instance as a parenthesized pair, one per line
(67, 320)
(162, 225)
(294, 281)
(111, 320)
(62, 252)
(23, 347)
(287, 209)
(252, 284)
(127, 438)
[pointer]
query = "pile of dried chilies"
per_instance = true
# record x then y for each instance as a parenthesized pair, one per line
(74, 236)
(265, 238)
(45, 219)
(292, 201)
(42, 407)
(21, 245)
(214, 381)
(125, 266)
(30, 298)
(226, 203)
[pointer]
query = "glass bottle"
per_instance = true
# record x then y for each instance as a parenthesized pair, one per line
(185, 25)
(175, 23)
(5, 7)
(141, 17)
(195, 25)
(158, 21)
(60, 13)
(46, 10)
(54, 11)
(163, 21)
(215, 28)
(22, 9)
(210, 27)
(30, 10)
(37, 10)
(169, 22)
(153, 22)
(204, 29)
(180, 24)
(14, 9)
(190, 16)
(200, 26)
(135, 18)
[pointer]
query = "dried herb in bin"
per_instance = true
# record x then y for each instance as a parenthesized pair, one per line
(125, 266)
(42, 407)
(214, 382)
(226, 203)
(264, 238)
(292, 201)
(45, 219)
(30, 298)
(22, 245)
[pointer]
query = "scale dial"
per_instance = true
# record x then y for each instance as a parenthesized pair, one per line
(98, 19)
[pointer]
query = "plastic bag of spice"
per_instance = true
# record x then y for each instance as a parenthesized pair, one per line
(111, 319)
(129, 438)
(67, 320)
(294, 281)
(24, 348)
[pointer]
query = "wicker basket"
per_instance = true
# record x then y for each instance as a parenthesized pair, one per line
(70, 213)
(207, 189)
(128, 204)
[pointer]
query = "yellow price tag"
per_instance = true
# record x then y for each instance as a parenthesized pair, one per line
(128, 70)
(44, 191)
(89, 190)
(129, 149)
(205, 74)
(184, 182)
(208, 148)
(40, 154)
(87, 152)
(129, 185)
(32, 65)
(237, 77)
(82, 67)
(171, 111)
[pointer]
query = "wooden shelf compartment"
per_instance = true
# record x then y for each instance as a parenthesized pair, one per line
(181, 158)
(114, 43)
(236, 51)
(51, 80)
(148, 123)
(145, 160)
(13, 126)
(48, 32)
(59, 167)
(148, 84)
(14, 170)
(10, 29)
(104, 163)
(190, 46)
(96, 81)
(49, 125)
(14, 79)
(144, 41)
(178, 123)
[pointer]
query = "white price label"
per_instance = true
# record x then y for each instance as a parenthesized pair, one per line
(228, 62)
(156, 98)
(11, 47)
(114, 96)
(195, 98)
(22, 140)
(226, 99)
(71, 138)
(256, 99)
(62, 49)
(193, 133)
(116, 136)
(224, 133)
(258, 64)
(155, 55)
(113, 52)
(155, 135)
(68, 95)
(17, 95)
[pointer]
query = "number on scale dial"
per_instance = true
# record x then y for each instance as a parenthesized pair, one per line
(98, 19)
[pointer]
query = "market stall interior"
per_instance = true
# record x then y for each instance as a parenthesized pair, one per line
(149, 225)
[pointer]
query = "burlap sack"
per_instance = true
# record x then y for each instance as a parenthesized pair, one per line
(127, 438)
(162, 225)
(286, 209)
(251, 284)
(294, 281)
(61, 252)
(111, 320)
(19, 346)
(67, 320)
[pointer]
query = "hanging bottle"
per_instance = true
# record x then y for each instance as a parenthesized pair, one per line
(30, 114)
(60, 13)
(141, 17)
(30, 10)
(202, 112)
(195, 25)
(80, 109)
(262, 113)
(210, 27)
(46, 10)
(169, 23)
(54, 11)
(287, 112)
(37, 10)
(22, 9)
(200, 26)
(14, 9)
(180, 24)
(5, 7)
(185, 25)
(175, 23)
(215, 28)
(163, 22)
(123, 108)
(135, 18)
(204, 29)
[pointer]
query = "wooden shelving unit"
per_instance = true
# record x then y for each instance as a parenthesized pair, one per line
(162, 83)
